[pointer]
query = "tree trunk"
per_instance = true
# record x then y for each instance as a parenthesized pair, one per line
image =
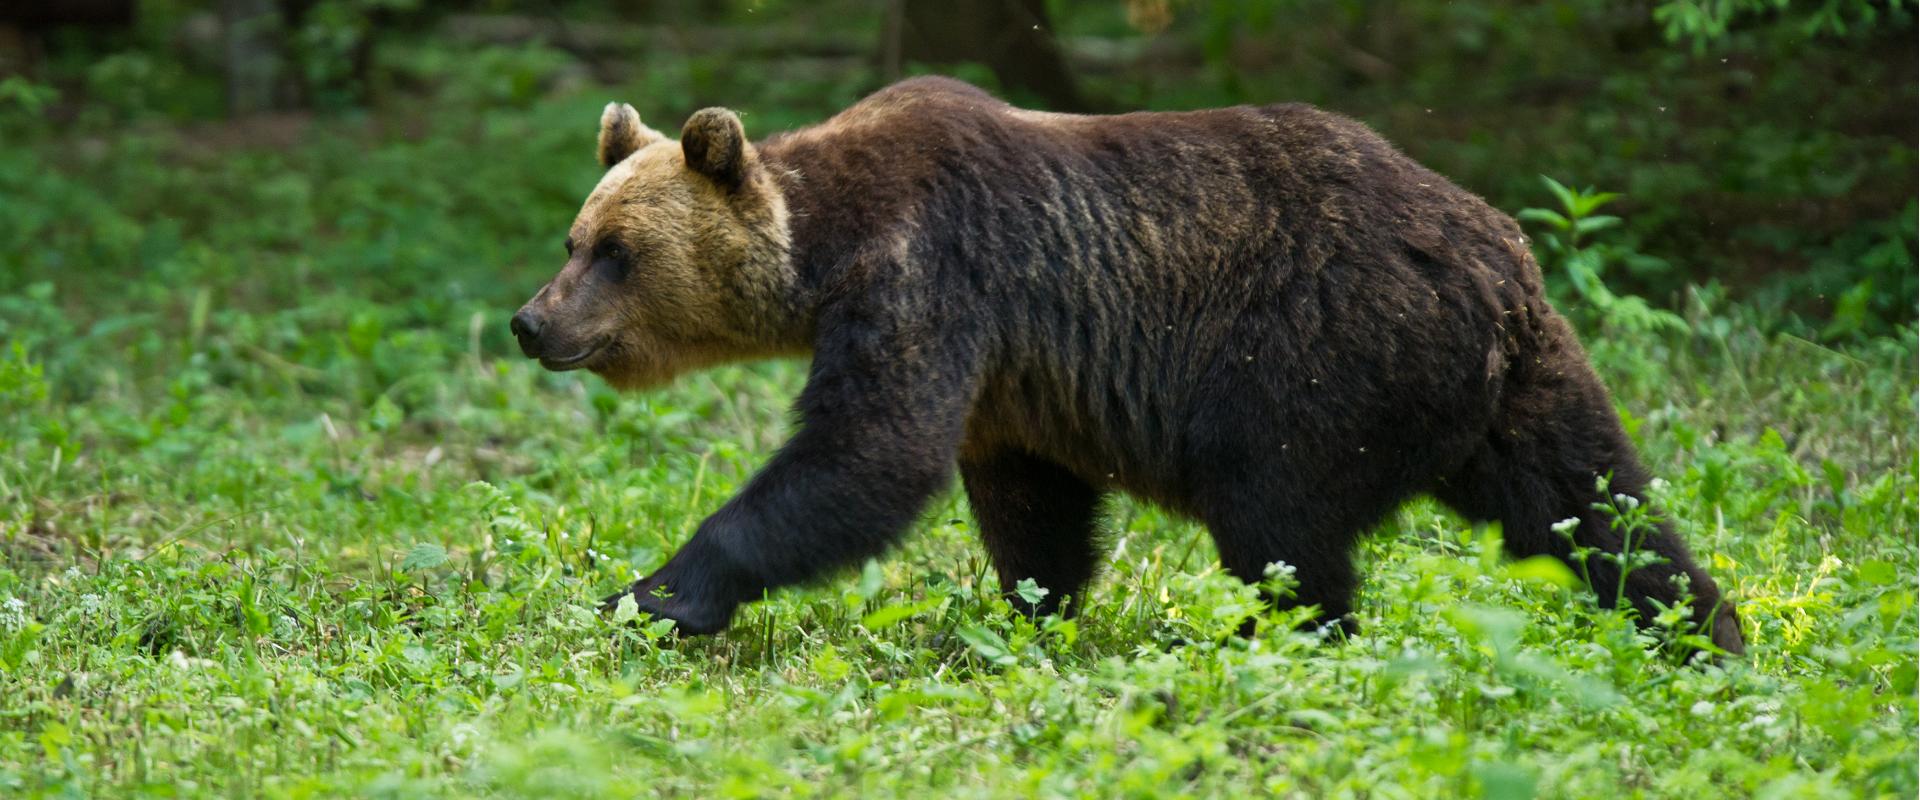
(254, 58)
(1014, 38)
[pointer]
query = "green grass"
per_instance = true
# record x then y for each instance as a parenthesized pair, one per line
(282, 513)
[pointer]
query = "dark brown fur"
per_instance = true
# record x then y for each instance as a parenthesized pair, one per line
(1265, 318)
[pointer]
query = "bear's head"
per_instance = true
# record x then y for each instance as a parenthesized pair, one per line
(678, 260)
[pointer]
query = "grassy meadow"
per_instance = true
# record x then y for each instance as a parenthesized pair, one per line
(283, 513)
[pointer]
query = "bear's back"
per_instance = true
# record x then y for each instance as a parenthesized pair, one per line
(1189, 190)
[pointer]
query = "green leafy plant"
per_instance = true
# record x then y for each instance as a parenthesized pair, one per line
(1572, 251)
(1703, 22)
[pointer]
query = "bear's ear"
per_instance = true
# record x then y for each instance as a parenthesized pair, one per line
(621, 133)
(716, 146)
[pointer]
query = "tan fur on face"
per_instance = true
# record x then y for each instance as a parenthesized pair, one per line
(710, 279)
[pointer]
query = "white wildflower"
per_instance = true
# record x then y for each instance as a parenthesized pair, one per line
(184, 663)
(13, 613)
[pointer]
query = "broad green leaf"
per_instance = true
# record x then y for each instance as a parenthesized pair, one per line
(895, 613)
(627, 610)
(423, 556)
(1552, 218)
(1543, 569)
(1030, 591)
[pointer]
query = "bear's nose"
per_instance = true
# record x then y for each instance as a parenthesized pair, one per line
(526, 327)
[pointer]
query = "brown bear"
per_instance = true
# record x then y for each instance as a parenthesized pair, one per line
(1265, 318)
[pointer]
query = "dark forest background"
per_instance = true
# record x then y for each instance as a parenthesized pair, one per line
(1762, 150)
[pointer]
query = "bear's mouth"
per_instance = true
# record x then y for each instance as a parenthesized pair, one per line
(575, 361)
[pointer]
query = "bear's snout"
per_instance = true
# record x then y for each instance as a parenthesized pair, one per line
(526, 328)
(558, 347)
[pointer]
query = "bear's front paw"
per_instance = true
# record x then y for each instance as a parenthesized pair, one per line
(690, 618)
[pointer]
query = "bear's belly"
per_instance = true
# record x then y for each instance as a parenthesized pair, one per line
(1130, 444)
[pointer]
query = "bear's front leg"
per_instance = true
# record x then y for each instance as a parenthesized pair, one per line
(880, 424)
(698, 589)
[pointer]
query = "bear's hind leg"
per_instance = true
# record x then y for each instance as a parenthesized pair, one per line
(1251, 535)
(1557, 435)
(1038, 522)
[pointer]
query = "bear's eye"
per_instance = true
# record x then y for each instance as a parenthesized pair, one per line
(610, 258)
(569, 246)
